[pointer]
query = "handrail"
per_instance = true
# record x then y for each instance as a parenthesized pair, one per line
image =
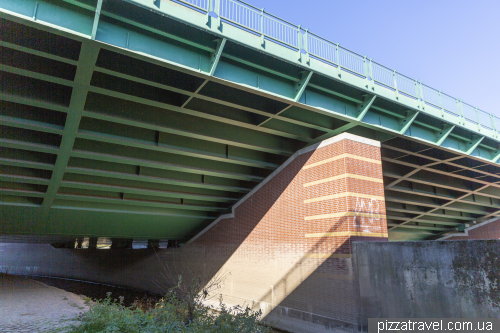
(271, 27)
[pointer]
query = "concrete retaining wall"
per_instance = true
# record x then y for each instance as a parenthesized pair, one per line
(450, 279)
(431, 279)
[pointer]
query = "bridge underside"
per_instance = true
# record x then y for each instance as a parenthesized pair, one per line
(129, 124)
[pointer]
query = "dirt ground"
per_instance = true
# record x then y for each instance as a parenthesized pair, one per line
(31, 306)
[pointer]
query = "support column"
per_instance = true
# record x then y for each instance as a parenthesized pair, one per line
(288, 243)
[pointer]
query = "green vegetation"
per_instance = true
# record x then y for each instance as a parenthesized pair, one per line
(181, 310)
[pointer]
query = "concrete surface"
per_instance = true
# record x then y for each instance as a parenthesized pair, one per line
(428, 279)
(141, 269)
(31, 306)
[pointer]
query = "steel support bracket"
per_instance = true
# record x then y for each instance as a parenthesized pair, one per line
(474, 143)
(445, 132)
(365, 106)
(300, 87)
(405, 123)
(96, 19)
(215, 57)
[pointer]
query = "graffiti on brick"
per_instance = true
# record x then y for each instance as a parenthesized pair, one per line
(366, 212)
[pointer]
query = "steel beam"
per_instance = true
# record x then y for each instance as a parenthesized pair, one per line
(140, 203)
(154, 180)
(164, 166)
(301, 86)
(88, 57)
(443, 135)
(216, 55)
(365, 106)
(168, 149)
(405, 124)
(144, 191)
(473, 144)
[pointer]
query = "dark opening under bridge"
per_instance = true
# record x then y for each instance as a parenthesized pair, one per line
(149, 119)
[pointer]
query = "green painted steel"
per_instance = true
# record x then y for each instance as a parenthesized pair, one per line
(87, 59)
(149, 119)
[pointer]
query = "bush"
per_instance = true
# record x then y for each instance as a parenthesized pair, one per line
(181, 310)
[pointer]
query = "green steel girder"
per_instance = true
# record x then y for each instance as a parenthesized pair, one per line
(405, 124)
(170, 36)
(161, 148)
(22, 193)
(473, 144)
(443, 135)
(131, 222)
(35, 75)
(209, 99)
(31, 125)
(438, 160)
(88, 57)
(421, 220)
(26, 164)
(254, 141)
(38, 53)
(140, 203)
(443, 173)
(96, 18)
(33, 102)
(415, 199)
(144, 191)
(37, 147)
(163, 166)
(24, 179)
(396, 225)
(454, 205)
(414, 210)
(271, 140)
(216, 55)
(447, 197)
(434, 180)
(191, 164)
(365, 106)
(301, 86)
(416, 169)
(155, 180)
(222, 139)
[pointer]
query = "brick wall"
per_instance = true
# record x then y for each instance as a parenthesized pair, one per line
(487, 230)
(287, 244)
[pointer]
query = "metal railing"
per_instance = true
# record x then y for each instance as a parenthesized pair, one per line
(270, 27)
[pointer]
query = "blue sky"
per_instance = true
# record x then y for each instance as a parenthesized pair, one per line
(453, 46)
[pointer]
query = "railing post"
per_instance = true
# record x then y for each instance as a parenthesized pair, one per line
(422, 96)
(477, 119)
(371, 73)
(299, 42)
(217, 12)
(441, 104)
(395, 83)
(337, 55)
(365, 69)
(493, 125)
(306, 48)
(209, 9)
(262, 27)
(461, 110)
(366, 72)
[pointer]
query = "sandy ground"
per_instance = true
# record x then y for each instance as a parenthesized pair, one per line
(31, 306)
